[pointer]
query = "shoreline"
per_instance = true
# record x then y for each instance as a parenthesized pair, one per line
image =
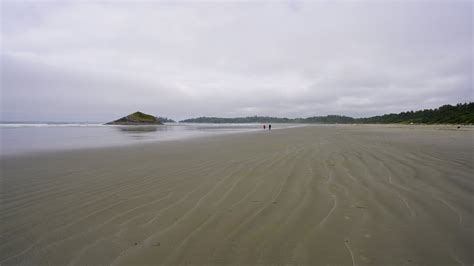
(152, 141)
(218, 134)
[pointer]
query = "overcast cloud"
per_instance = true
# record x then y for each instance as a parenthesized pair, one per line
(96, 61)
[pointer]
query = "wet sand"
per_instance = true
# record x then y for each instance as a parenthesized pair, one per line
(345, 195)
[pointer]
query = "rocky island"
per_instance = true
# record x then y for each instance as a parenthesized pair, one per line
(137, 118)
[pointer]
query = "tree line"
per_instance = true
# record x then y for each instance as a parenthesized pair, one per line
(462, 113)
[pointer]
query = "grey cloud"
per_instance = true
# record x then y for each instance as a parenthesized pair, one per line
(96, 60)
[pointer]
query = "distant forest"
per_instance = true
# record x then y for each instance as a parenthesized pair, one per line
(462, 113)
(165, 120)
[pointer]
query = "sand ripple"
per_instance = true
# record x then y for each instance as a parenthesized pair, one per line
(348, 195)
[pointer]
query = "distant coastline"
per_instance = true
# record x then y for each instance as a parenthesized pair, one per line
(462, 113)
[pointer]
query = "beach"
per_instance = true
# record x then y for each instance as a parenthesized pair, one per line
(312, 195)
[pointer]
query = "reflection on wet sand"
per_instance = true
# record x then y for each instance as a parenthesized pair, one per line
(140, 132)
(26, 139)
(138, 129)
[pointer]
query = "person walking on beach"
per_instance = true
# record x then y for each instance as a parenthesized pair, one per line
(264, 127)
(269, 126)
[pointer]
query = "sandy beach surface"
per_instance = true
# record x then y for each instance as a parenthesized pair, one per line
(315, 195)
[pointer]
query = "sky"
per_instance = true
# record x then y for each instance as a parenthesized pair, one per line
(97, 61)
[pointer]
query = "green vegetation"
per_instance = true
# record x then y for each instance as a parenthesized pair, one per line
(137, 118)
(330, 119)
(166, 120)
(250, 119)
(462, 113)
(446, 114)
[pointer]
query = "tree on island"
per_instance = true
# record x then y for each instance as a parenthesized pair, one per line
(137, 118)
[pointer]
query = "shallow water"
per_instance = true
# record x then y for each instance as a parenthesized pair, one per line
(21, 138)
